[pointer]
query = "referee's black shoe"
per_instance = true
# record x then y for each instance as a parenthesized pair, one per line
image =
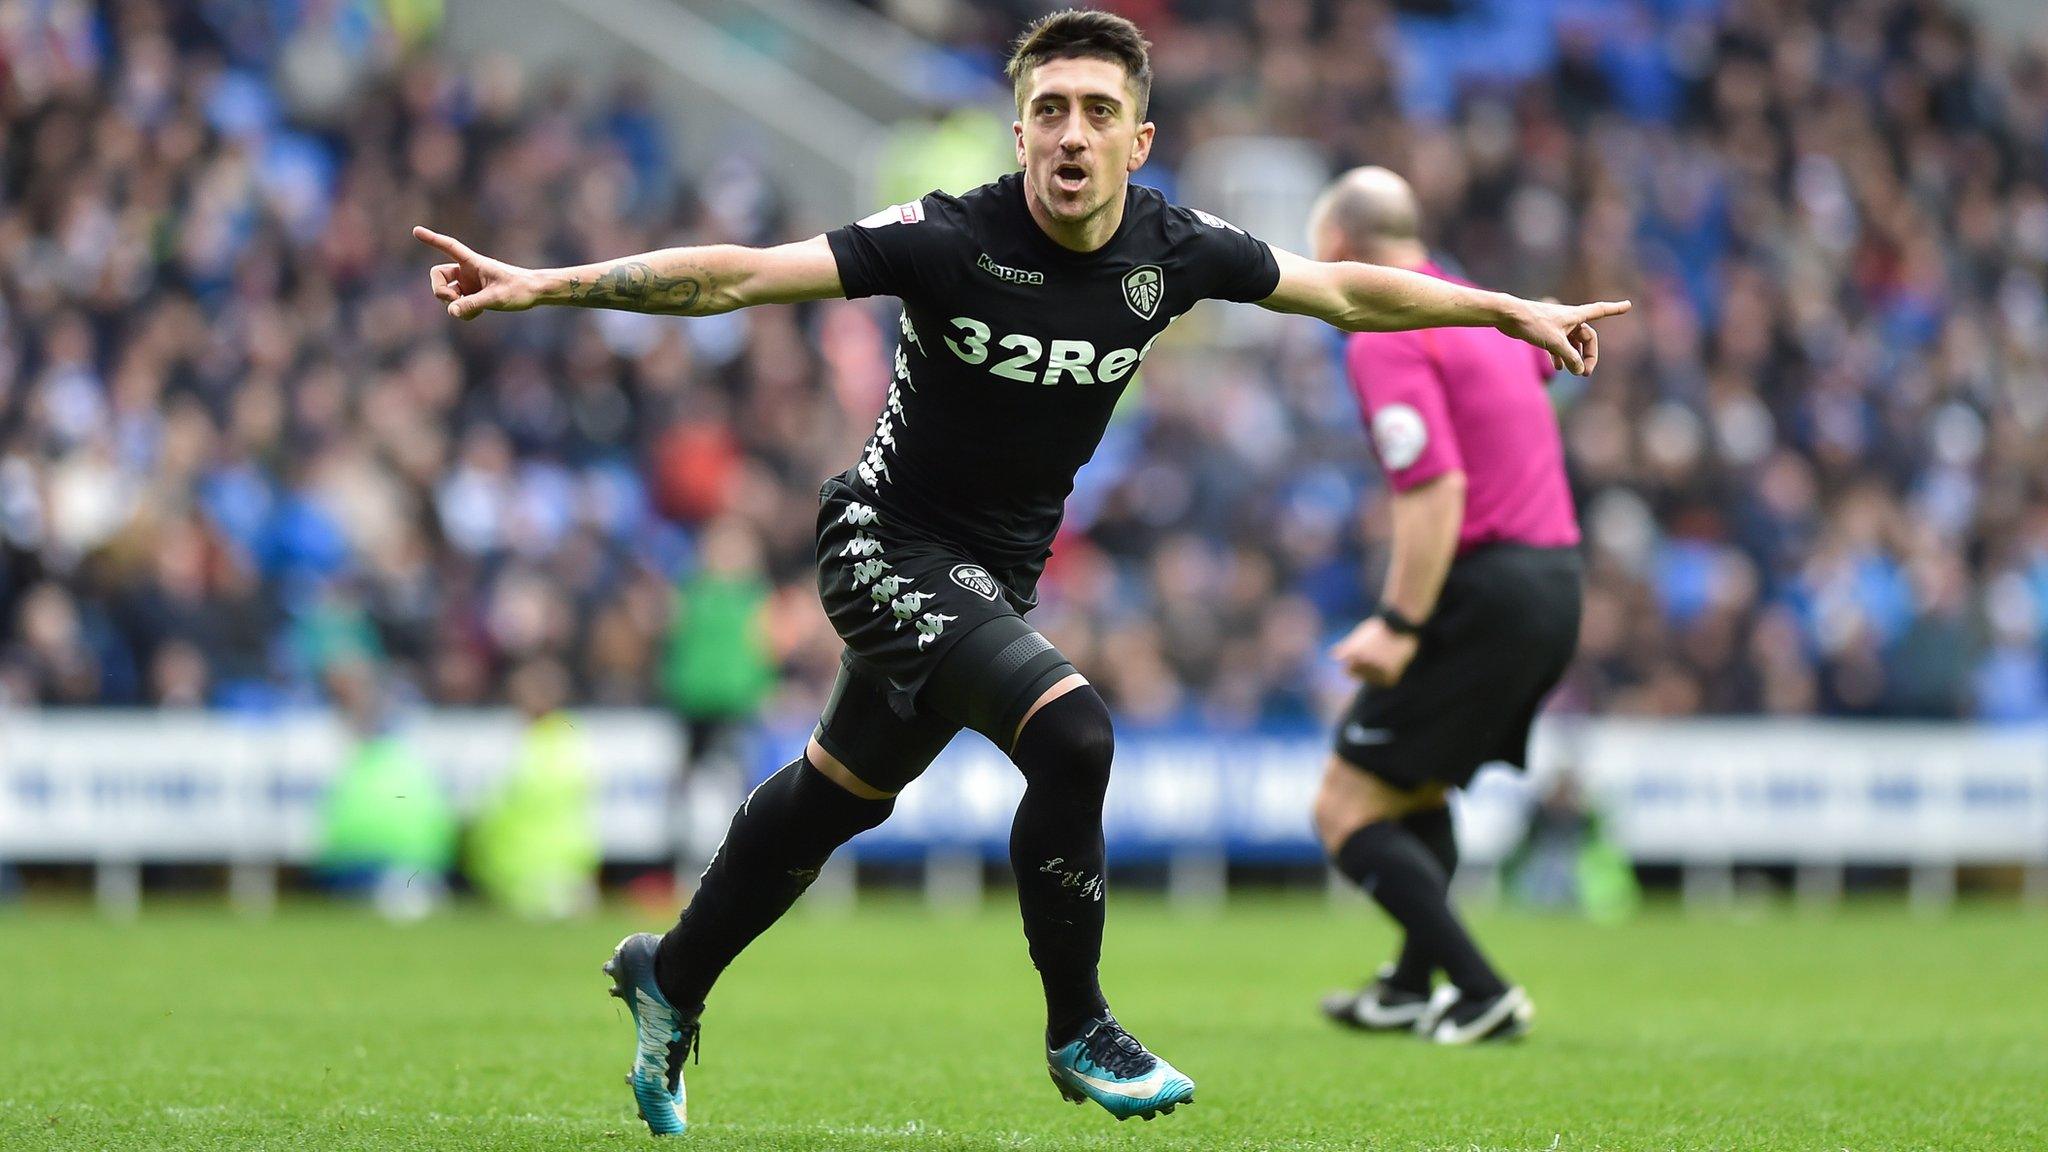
(1470, 1020)
(1377, 1007)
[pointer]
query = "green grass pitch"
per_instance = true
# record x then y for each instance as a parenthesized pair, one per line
(892, 1028)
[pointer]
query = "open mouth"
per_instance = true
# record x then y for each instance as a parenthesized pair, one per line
(1069, 177)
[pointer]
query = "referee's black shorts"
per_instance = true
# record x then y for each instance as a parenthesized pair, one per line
(1502, 634)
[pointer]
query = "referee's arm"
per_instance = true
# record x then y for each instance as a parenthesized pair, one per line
(1426, 522)
(699, 281)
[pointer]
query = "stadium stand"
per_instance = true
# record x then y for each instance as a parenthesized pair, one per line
(237, 446)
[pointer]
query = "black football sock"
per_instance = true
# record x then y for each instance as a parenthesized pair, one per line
(781, 836)
(1394, 868)
(1057, 854)
(1431, 826)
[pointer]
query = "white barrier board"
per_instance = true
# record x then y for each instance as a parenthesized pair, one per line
(98, 786)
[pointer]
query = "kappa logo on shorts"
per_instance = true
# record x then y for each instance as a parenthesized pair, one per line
(1143, 286)
(862, 546)
(886, 589)
(908, 605)
(1359, 734)
(930, 627)
(976, 579)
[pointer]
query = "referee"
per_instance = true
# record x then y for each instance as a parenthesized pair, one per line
(1477, 620)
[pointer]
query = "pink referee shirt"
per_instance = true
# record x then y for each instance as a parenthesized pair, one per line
(1471, 400)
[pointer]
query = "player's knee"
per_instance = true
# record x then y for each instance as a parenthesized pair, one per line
(1345, 803)
(834, 810)
(1092, 747)
(1334, 820)
(1072, 738)
(835, 770)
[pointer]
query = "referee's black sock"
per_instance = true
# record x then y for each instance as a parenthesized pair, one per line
(1432, 826)
(1391, 864)
(1057, 854)
(782, 834)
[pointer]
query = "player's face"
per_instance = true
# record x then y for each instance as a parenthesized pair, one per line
(1080, 139)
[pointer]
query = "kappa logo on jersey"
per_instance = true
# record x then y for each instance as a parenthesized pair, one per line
(910, 334)
(1400, 434)
(1214, 221)
(1143, 286)
(1013, 275)
(975, 579)
(909, 213)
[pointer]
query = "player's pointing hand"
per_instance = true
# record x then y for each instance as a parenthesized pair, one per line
(474, 283)
(1563, 330)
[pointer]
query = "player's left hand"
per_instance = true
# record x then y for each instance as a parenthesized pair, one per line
(1375, 653)
(1563, 330)
(472, 283)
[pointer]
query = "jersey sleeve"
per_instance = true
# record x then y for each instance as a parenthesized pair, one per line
(1230, 263)
(890, 253)
(1401, 398)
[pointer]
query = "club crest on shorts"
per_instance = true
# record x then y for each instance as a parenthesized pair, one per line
(976, 579)
(1143, 286)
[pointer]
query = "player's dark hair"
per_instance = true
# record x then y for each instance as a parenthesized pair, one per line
(1083, 34)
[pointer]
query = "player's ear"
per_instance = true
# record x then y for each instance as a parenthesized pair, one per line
(1141, 147)
(1017, 130)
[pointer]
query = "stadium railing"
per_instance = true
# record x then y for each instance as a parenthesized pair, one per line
(120, 789)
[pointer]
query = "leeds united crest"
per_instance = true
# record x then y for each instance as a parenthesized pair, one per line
(975, 579)
(1143, 287)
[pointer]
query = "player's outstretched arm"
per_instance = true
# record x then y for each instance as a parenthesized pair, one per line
(673, 281)
(1370, 298)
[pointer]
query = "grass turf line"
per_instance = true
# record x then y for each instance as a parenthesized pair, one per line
(893, 1029)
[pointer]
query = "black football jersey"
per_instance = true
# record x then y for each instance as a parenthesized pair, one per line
(1013, 352)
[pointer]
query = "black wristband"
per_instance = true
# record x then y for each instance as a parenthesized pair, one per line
(1397, 623)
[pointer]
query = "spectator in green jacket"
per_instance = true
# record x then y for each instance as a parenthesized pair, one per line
(385, 826)
(718, 670)
(534, 847)
(717, 674)
(1568, 861)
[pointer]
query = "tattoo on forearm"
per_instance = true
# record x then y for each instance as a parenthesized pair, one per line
(636, 286)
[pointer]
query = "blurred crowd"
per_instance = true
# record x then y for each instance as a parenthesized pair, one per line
(241, 448)
(1813, 465)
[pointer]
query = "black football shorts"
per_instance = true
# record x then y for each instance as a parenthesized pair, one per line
(1503, 632)
(934, 642)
